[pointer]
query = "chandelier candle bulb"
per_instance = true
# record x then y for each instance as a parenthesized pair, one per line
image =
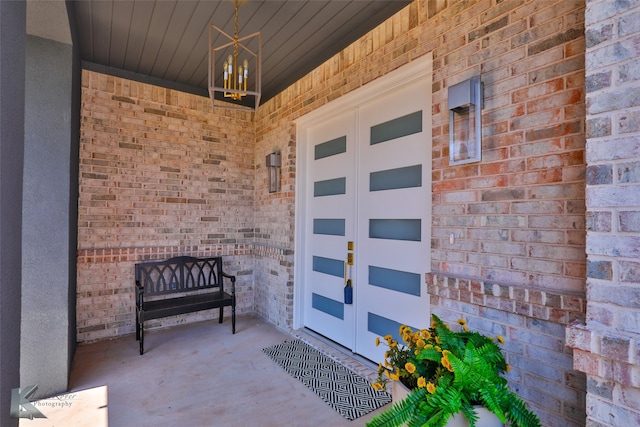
(246, 73)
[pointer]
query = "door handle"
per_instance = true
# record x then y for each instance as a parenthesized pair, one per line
(346, 273)
(348, 284)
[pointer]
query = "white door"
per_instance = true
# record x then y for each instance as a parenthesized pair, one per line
(368, 181)
(394, 216)
(329, 226)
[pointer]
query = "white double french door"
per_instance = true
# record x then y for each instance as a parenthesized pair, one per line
(367, 195)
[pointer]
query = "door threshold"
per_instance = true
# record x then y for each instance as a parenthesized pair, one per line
(352, 361)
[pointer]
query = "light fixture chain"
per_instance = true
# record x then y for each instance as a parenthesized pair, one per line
(235, 73)
(236, 37)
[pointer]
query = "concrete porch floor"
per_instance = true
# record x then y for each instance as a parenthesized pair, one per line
(202, 375)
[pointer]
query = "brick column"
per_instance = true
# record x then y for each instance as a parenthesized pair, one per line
(607, 347)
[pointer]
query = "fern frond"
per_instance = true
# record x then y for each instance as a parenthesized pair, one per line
(447, 400)
(429, 354)
(492, 354)
(470, 414)
(493, 399)
(518, 413)
(400, 412)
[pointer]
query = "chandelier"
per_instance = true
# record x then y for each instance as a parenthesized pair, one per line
(234, 68)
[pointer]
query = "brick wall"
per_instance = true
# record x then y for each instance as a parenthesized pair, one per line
(517, 266)
(274, 221)
(161, 175)
(533, 323)
(607, 346)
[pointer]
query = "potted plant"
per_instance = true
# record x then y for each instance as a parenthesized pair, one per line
(448, 372)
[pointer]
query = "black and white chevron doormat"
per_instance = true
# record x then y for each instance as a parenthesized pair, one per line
(348, 393)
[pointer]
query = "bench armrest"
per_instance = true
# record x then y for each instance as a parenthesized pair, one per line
(233, 281)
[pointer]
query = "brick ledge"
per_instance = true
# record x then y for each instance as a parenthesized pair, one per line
(98, 255)
(134, 254)
(535, 303)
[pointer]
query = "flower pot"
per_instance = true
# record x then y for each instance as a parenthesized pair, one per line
(486, 418)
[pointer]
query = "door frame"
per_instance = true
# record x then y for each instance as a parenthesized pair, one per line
(410, 72)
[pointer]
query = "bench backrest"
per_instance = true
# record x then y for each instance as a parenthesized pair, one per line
(179, 274)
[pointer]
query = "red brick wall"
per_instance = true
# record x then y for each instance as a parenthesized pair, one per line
(517, 216)
(517, 266)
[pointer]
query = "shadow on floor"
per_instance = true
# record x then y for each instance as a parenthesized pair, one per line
(200, 375)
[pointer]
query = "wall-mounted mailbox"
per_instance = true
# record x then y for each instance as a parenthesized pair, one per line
(465, 121)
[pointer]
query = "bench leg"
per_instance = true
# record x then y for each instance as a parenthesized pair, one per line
(137, 326)
(233, 315)
(141, 341)
(140, 329)
(221, 312)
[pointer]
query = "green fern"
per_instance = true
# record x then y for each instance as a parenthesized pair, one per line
(463, 369)
(401, 412)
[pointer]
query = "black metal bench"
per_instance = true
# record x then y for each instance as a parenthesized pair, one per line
(181, 285)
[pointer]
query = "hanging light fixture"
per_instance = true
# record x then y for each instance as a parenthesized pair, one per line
(234, 68)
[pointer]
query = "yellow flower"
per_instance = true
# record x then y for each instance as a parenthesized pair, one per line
(388, 338)
(402, 329)
(377, 341)
(425, 334)
(420, 343)
(431, 388)
(405, 337)
(380, 368)
(410, 367)
(438, 340)
(464, 328)
(376, 386)
(508, 369)
(387, 364)
(393, 344)
(500, 339)
(422, 383)
(445, 362)
(462, 322)
(395, 376)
